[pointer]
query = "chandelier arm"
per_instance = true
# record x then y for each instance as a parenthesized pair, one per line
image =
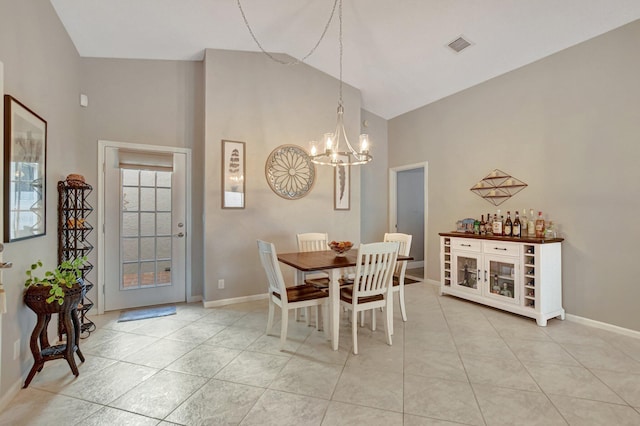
(313, 49)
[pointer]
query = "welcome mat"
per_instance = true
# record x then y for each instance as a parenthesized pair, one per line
(138, 314)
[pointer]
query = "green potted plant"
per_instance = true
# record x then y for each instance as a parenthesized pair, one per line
(56, 283)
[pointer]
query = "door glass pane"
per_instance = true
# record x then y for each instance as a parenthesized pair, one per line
(163, 273)
(467, 269)
(147, 224)
(502, 279)
(146, 239)
(148, 199)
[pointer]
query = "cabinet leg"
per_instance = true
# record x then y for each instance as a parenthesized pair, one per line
(562, 316)
(541, 322)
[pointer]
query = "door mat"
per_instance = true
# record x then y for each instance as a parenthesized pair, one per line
(138, 314)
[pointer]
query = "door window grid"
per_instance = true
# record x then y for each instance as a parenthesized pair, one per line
(145, 217)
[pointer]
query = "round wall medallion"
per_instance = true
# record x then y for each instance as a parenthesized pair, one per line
(290, 172)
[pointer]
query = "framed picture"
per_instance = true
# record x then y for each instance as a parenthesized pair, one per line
(25, 151)
(233, 169)
(342, 187)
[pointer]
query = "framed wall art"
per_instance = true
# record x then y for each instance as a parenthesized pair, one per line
(233, 175)
(25, 150)
(342, 187)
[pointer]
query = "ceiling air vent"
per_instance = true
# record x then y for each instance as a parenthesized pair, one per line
(459, 44)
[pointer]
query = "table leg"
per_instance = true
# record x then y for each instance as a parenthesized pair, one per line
(334, 302)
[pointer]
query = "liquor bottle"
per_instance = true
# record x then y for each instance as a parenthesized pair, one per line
(483, 225)
(550, 231)
(508, 226)
(497, 225)
(516, 231)
(523, 223)
(531, 225)
(489, 225)
(476, 227)
(540, 226)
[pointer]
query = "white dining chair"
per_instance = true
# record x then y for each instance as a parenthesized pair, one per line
(312, 241)
(287, 298)
(372, 284)
(404, 241)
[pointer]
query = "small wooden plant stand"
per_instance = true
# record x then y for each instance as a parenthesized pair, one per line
(35, 298)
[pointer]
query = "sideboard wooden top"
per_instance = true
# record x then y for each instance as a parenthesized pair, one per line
(529, 240)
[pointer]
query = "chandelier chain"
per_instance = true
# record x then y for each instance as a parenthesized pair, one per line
(340, 41)
(313, 49)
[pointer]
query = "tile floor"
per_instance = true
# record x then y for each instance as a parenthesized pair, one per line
(453, 362)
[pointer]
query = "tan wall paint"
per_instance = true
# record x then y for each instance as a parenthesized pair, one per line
(41, 69)
(375, 187)
(253, 99)
(567, 125)
(148, 102)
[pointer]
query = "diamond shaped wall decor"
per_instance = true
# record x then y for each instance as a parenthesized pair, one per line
(497, 187)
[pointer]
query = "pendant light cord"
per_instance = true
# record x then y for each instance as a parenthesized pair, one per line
(313, 49)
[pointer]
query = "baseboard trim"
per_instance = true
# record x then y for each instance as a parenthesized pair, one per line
(603, 326)
(233, 300)
(432, 282)
(11, 393)
(194, 299)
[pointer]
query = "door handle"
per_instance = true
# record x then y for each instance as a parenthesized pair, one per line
(179, 235)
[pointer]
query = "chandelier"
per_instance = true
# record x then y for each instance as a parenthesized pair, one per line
(330, 152)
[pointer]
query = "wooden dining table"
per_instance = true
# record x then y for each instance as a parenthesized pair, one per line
(333, 264)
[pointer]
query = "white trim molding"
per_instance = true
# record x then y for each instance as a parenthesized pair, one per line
(603, 326)
(233, 300)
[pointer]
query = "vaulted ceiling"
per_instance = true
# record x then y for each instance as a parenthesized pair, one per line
(395, 51)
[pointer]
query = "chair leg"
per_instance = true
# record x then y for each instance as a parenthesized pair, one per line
(270, 318)
(373, 320)
(283, 328)
(389, 326)
(361, 318)
(354, 331)
(306, 316)
(318, 317)
(403, 310)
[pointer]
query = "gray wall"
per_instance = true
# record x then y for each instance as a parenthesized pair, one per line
(253, 99)
(147, 102)
(567, 125)
(42, 70)
(374, 220)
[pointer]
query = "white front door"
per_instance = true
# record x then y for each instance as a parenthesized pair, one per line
(145, 214)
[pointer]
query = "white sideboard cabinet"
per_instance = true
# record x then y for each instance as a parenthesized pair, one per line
(519, 275)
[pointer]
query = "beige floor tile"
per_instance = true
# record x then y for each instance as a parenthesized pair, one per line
(441, 399)
(111, 416)
(34, 407)
(281, 409)
(411, 420)
(253, 368)
(586, 413)
(341, 414)
(502, 406)
(604, 358)
(426, 363)
(540, 351)
(235, 337)
(503, 372)
(453, 362)
(160, 394)
(624, 384)
(204, 360)
(370, 387)
(571, 381)
(309, 378)
(217, 402)
(160, 353)
(109, 383)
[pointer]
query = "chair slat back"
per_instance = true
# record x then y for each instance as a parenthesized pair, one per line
(269, 260)
(313, 241)
(374, 270)
(404, 240)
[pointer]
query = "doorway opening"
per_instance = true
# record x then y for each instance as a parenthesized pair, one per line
(144, 206)
(408, 211)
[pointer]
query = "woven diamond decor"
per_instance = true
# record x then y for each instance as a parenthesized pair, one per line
(497, 187)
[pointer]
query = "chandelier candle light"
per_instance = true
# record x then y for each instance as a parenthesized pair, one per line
(330, 152)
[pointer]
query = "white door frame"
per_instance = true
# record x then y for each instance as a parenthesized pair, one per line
(102, 146)
(393, 200)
